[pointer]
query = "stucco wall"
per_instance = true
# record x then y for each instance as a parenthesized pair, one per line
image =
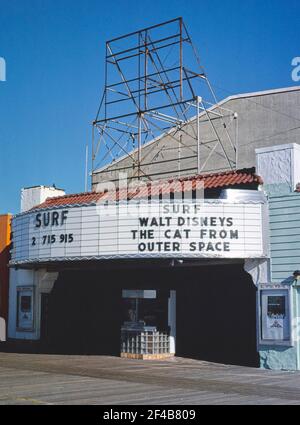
(263, 120)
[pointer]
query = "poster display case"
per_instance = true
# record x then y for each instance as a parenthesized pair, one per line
(274, 308)
(25, 309)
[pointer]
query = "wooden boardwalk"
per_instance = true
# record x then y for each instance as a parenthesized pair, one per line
(56, 379)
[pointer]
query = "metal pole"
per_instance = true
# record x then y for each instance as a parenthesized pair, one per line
(179, 155)
(106, 79)
(236, 139)
(181, 54)
(198, 135)
(146, 70)
(139, 71)
(93, 147)
(86, 168)
(139, 145)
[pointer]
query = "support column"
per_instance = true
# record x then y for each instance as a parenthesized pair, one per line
(172, 321)
(259, 270)
(36, 283)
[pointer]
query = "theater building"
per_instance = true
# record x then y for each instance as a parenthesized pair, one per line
(175, 281)
(210, 276)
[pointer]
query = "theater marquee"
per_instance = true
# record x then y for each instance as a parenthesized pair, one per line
(212, 229)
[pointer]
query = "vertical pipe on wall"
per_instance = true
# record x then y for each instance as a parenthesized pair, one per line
(86, 168)
(198, 136)
(181, 59)
(296, 331)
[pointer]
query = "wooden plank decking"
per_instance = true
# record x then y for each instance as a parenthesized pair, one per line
(55, 379)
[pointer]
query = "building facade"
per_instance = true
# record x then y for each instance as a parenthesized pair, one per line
(209, 271)
(145, 284)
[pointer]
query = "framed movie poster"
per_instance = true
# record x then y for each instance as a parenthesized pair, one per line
(275, 316)
(25, 309)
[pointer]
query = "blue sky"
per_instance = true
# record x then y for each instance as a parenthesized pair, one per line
(54, 52)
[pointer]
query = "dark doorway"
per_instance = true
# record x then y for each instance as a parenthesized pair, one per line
(85, 314)
(216, 310)
(216, 315)
(44, 317)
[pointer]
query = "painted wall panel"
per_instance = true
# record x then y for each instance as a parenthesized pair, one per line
(284, 235)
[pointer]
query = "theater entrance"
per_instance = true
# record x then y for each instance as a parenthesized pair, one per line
(216, 315)
(206, 312)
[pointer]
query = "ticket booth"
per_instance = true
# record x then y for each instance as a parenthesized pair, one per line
(148, 324)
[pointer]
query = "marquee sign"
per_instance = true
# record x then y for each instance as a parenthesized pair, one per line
(211, 229)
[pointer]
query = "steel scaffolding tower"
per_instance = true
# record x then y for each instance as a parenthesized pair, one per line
(155, 85)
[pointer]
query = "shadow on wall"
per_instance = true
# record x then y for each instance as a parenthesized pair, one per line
(216, 316)
(84, 314)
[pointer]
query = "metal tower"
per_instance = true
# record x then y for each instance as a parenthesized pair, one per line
(155, 86)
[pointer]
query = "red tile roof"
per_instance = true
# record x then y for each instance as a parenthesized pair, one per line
(210, 181)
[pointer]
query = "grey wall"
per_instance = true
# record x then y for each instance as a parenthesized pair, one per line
(264, 119)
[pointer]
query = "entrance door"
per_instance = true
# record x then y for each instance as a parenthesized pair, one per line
(147, 330)
(44, 316)
(216, 315)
